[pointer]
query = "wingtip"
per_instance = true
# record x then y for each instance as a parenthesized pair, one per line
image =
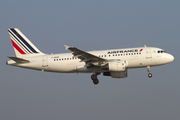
(66, 47)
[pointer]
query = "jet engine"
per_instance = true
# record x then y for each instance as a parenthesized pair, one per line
(116, 66)
(117, 69)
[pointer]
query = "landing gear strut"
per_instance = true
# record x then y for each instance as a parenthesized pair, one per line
(94, 78)
(149, 75)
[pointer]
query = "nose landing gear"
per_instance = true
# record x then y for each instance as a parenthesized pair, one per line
(149, 75)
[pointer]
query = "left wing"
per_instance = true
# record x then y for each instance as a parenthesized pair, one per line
(86, 57)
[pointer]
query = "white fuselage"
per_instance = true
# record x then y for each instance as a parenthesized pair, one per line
(67, 63)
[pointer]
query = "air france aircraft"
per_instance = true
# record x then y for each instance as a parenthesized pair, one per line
(114, 63)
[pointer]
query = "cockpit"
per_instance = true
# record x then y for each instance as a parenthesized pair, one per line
(161, 51)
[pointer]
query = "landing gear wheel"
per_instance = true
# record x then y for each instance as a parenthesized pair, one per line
(96, 81)
(149, 75)
(93, 77)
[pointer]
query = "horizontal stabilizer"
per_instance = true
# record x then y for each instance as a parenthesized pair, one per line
(18, 60)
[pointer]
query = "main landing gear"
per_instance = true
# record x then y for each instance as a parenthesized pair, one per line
(94, 78)
(149, 75)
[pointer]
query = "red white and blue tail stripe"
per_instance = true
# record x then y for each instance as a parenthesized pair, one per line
(21, 44)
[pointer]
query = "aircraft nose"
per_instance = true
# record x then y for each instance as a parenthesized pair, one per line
(171, 58)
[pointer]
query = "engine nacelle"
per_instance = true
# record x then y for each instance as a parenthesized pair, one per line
(116, 66)
(122, 74)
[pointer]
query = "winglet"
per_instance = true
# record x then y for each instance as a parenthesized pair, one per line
(66, 47)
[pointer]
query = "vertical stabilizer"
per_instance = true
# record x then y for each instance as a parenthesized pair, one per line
(22, 45)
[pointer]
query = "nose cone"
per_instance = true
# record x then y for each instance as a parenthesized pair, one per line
(171, 58)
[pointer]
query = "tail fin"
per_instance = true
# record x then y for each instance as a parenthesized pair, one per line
(22, 46)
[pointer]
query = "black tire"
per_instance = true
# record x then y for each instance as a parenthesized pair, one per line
(96, 81)
(150, 75)
(93, 77)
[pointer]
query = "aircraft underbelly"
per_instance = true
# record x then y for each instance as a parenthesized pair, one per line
(65, 66)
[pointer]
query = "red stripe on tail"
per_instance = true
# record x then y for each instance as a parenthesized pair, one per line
(18, 48)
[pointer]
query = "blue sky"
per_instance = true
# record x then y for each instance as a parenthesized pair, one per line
(91, 25)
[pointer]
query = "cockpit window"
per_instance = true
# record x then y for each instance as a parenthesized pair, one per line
(161, 51)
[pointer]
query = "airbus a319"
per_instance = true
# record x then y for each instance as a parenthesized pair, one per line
(114, 63)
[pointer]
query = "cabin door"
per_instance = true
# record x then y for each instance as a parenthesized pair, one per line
(45, 61)
(148, 53)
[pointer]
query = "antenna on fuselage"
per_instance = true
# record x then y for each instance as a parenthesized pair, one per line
(144, 45)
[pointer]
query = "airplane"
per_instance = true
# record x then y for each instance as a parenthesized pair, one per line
(114, 62)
